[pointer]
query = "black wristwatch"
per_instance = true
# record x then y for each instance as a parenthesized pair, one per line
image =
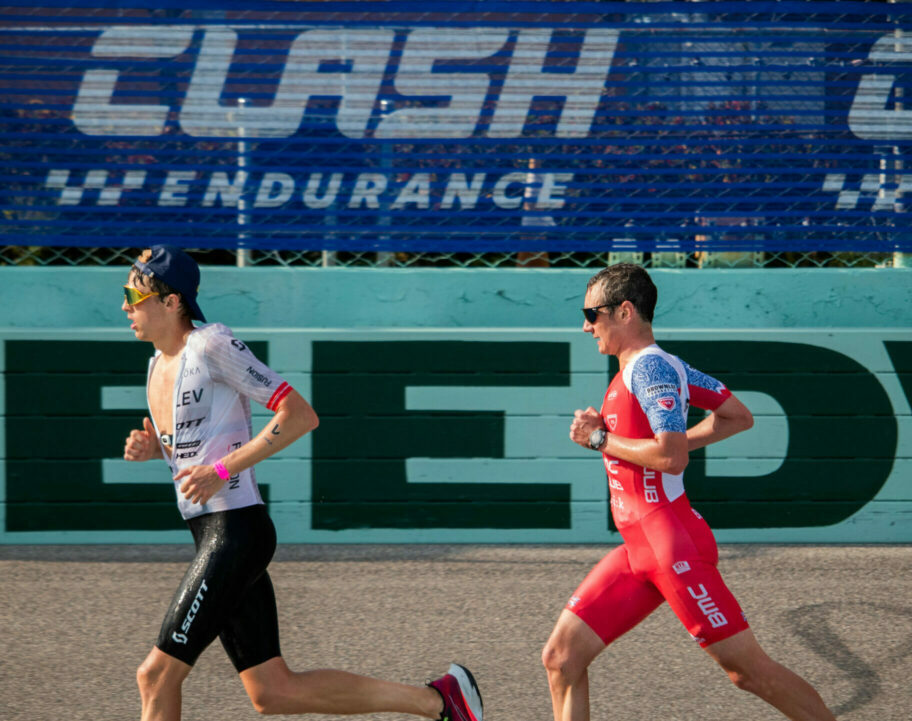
(597, 438)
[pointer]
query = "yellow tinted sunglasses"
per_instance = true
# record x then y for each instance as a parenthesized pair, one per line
(134, 296)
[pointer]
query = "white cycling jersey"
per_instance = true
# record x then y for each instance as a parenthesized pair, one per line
(217, 377)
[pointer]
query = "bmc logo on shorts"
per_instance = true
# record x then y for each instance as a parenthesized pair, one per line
(708, 606)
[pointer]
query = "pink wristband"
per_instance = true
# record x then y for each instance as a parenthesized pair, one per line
(221, 471)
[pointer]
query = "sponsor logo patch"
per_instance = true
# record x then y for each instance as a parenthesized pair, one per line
(681, 567)
(611, 421)
(708, 606)
(660, 388)
(668, 402)
(649, 486)
(258, 377)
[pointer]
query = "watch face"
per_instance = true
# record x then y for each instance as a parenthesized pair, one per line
(596, 438)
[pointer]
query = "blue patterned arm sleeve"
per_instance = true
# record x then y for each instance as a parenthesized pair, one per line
(656, 386)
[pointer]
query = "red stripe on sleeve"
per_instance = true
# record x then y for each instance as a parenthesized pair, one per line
(706, 399)
(279, 395)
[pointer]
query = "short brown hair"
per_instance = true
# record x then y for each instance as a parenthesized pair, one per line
(626, 281)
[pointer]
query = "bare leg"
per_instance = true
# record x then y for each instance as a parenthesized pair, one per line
(750, 669)
(275, 689)
(566, 656)
(160, 677)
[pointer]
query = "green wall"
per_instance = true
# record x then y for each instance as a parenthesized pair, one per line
(445, 398)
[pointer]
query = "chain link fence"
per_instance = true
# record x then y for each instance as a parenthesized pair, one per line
(59, 256)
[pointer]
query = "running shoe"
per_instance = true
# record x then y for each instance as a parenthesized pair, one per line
(461, 697)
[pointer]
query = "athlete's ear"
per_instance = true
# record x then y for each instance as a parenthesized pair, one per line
(624, 310)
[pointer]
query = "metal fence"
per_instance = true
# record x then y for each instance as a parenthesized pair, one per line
(70, 256)
(558, 134)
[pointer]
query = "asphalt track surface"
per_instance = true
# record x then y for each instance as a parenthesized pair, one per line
(77, 620)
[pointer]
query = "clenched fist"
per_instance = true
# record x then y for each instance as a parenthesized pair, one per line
(200, 483)
(584, 422)
(142, 445)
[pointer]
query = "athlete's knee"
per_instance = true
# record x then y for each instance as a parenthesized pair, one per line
(563, 667)
(150, 676)
(160, 674)
(753, 678)
(265, 703)
(263, 699)
(740, 679)
(269, 697)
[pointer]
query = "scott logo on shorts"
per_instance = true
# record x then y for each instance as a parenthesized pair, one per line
(708, 606)
(191, 615)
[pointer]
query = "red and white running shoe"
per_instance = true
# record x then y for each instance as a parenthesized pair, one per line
(461, 697)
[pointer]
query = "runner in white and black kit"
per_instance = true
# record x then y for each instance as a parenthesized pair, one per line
(198, 388)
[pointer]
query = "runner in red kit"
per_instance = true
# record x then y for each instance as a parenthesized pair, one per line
(669, 552)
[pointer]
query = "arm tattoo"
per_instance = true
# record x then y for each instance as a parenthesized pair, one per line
(275, 431)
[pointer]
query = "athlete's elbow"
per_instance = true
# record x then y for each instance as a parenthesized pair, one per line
(674, 465)
(747, 420)
(305, 422)
(737, 415)
(313, 421)
(300, 412)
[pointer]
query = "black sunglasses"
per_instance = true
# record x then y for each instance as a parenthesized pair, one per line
(592, 314)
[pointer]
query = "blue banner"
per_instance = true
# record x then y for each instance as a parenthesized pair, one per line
(496, 126)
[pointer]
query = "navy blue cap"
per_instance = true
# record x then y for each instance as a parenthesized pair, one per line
(174, 267)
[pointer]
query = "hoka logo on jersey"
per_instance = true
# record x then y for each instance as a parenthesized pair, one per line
(612, 421)
(668, 403)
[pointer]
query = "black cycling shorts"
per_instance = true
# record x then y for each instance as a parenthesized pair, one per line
(226, 591)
